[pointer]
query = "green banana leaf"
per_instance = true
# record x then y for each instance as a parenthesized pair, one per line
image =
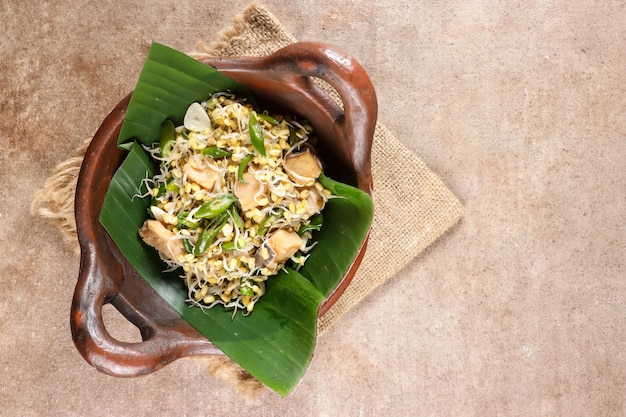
(275, 343)
(169, 82)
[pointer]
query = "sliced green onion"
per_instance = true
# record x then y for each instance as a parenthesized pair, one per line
(314, 225)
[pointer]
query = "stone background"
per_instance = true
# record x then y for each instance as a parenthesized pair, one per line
(519, 310)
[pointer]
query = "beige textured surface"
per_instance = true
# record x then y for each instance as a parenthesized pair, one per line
(519, 310)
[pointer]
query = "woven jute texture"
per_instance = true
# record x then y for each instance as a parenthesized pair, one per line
(410, 201)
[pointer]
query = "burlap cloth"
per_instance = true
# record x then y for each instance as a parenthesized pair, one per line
(411, 202)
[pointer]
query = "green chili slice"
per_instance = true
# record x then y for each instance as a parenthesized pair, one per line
(246, 290)
(189, 224)
(267, 222)
(187, 246)
(209, 233)
(215, 152)
(266, 117)
(170, 186)
(236, 217)
(215, 207)
(293, 138)
(168, 137)
(228, 246)
(256, 133)
(242, 167)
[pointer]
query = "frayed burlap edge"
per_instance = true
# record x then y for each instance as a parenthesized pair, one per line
(415, 205)
(227, 371)
(254, 32)
(55, 201)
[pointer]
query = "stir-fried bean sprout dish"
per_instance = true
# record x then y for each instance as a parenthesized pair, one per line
(237, 197)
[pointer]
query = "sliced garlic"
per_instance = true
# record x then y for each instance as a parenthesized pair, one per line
(196, 118)
(157, 213)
